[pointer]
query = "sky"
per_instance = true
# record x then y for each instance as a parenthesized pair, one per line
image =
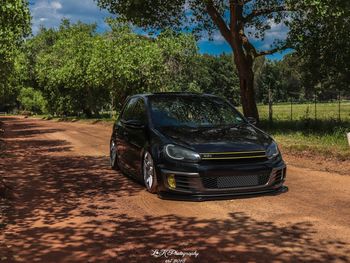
(49, 13)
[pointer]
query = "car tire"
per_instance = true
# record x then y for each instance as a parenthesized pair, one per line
(113, 157)
(149, 173)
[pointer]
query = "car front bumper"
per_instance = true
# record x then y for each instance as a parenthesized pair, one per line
(207, 182)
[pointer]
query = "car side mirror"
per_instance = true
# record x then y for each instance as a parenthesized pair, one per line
(252, 120)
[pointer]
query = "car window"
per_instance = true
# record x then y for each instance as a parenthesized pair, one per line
(139, 112)
(128, 110)
(192, 111)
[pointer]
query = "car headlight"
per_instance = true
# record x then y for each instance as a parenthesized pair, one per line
(272, 151)
(181, 154)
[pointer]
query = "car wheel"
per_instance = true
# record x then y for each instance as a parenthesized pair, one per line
(113, 156)
(149, 174)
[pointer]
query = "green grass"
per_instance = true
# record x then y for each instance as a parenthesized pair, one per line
(326, 138)
(321, 135)
(324, 111)
(75, 119)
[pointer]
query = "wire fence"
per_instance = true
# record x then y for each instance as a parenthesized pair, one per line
(295, 110)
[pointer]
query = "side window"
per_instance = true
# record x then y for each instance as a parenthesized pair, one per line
(139, 112)
(128, 110)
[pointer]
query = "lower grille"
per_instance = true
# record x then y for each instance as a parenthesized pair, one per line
(183, 183)
(222, 182)
(279, 176)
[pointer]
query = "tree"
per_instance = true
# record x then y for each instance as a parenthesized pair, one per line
(217, 75)
(81, 71)
(32, 100)
(42, 42)
(281, 78)
(235, 19)
(128, 63)
(14, 26)
(61, 71)
(179, 53)
(320, 33)
(125, 63)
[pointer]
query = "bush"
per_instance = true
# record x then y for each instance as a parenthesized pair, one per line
(32, 100)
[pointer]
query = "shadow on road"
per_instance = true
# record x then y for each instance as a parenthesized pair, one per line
(68, 208)
(122, 238)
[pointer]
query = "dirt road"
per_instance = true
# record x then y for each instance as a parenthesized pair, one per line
(70, 207)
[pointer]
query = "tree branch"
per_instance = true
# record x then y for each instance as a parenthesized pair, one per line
(266, 11)
(219, 21)
(271, 51)
(248, 47)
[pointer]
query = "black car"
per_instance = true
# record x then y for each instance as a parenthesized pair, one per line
(194, 146)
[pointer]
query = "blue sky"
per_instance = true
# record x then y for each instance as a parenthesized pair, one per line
(49, 13)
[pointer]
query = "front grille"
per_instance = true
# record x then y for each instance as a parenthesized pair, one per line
(234, 157)
(222, 182)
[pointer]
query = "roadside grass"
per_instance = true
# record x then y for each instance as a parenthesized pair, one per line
(326, 138)
(76, 119)
(300, 131)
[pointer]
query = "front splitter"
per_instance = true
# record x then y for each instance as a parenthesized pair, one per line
(221, 196)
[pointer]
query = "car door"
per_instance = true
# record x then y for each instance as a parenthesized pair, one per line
(121, 132)
(136, 130)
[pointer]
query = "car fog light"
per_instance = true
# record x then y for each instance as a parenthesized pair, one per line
(171, 181)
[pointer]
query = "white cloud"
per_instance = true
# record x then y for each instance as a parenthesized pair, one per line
(217, 38)
(277, 32)
(49, 13)
(56, 5)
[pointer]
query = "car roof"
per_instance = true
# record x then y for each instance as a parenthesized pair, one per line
(156, 94)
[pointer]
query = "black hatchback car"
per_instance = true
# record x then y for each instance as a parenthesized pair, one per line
(194, 146)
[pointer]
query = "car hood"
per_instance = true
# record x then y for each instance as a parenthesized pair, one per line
(242, 137)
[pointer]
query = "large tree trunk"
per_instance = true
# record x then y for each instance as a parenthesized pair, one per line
(242, 52)
(246, 81)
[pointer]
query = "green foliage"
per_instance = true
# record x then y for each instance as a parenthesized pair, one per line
(125, 63)
(179, 52)
(239, 22)
(218, 75)
(282, 78)
(14, 26)
(62, 72)
(193, 14)
(81, 72)
(320, 33)
(32, 100)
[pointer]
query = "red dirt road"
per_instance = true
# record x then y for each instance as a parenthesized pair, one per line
(70, 207)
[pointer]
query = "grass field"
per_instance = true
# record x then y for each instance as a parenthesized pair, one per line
(322, 134)
(326, 138)
(324, 111)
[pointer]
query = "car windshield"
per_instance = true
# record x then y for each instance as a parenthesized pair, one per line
(192, 111)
